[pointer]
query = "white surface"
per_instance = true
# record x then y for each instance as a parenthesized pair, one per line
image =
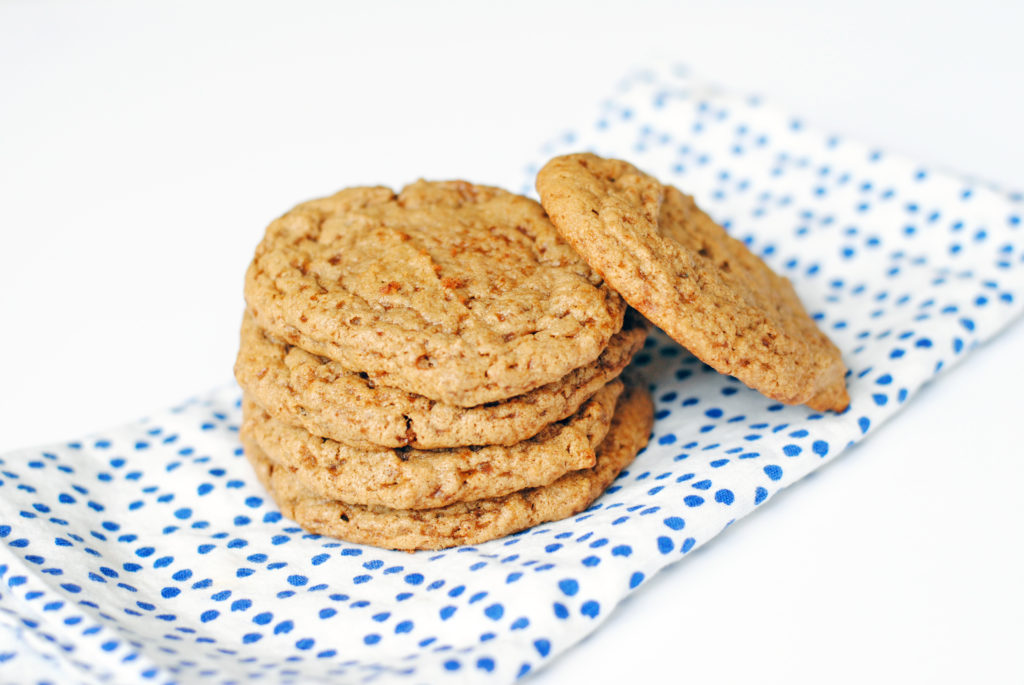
(144, 147)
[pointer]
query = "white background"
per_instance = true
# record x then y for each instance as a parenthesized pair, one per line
(144, 147)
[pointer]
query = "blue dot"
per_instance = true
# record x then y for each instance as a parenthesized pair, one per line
(543, 646)
(665, 544)
(693, 501)
(688, 544)
(590, 608)
(371, 639)
(622, 550)
(569, 586)
(494, 612)
(772, 471)
(560, 610)
(403, 627)
(675, 523)
(241, 604)
(305, 643)
(520, 623)
(485, 664)
(724, 496)
(864, 423)
(447, 612)
(636, 579)
(820, 447)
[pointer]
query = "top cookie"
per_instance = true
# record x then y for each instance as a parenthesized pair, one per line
(682, 271)
(464, 294)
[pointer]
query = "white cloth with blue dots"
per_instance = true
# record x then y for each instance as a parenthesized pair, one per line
(149, 553)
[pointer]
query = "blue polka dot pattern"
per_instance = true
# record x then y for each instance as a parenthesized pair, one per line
(150, 552)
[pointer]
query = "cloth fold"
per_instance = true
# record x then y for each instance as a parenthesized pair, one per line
(150, 553)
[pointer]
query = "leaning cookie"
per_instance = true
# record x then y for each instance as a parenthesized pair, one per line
(471, 522)
(420, 479)
(681, 270)
(464, 294)
(319, 395)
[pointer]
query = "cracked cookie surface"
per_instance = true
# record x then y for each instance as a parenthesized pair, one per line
(461, 293)
(682, 271)
(465, 523)
(418, 479)
(321, 396)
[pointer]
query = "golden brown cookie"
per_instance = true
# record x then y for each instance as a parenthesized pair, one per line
(419, 479)
(682, 271)
(464, 294)
(465, 523)
(319, 395)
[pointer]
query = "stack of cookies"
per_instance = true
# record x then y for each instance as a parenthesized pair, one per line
(441, 366)
(433, 368)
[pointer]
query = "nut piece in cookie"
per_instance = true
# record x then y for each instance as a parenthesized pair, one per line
(681, 270)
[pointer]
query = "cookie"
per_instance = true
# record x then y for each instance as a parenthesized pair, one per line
(419, 479)
(464, 294)
(468, 522)
(319, 395)
(681, 270)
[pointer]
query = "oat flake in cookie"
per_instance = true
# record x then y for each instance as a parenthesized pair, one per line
(464, 294)
(682, 271)
(465, 523)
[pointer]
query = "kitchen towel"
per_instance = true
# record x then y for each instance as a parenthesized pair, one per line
(149, 552)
